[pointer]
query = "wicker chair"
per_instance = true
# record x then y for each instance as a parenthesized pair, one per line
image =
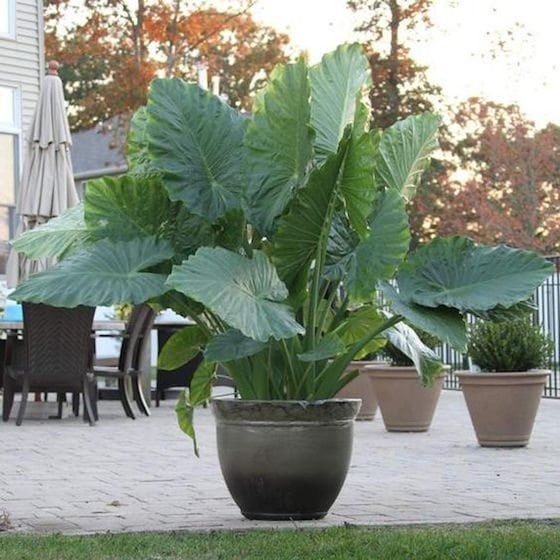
(129, 368)
(54, 356)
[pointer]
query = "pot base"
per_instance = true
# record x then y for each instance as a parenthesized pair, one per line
(283, 516)
(407, 428)
(501, 443)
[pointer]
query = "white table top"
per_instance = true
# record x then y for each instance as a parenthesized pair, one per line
(102, 325)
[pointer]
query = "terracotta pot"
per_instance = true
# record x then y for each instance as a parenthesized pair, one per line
(503, 406)
(361, 388)
(405, 404)
(284, 460)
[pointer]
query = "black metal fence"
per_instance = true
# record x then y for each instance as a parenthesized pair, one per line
(547, 301)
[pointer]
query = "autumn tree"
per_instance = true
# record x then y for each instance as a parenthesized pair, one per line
(507, 188)
(400, 86)
(111, 52)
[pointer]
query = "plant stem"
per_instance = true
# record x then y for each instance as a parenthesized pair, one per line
(199, 322)
(292, 374)
(324, 379)
(328, 307)
(341, 311)
(212, 321)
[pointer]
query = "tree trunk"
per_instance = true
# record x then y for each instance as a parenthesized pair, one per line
(393, 96)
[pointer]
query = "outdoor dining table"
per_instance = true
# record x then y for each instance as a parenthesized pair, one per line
(101, 325)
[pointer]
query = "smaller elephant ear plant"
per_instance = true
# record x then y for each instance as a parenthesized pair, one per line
(275, 232)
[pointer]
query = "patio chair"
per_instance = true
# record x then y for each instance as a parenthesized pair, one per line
(129, 367)
(53, 356)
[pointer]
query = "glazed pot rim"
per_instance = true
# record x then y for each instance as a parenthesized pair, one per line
(328, 410)
(250, 402)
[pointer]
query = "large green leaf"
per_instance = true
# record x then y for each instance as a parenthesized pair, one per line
(341, 249)
(300, 231)
(501, 314)
(185, 418)
(55, 238)
(379, 254)
(137, 144)
(230, 230)
(232, 345)
(408, 342)
(359, 323)
(196, 142)
(455, 272)
(187, 232)
(104, 273)
(200, 389)
(279, 143)
(336, 87)
(330, 345)
(138, 206)
(246, 293)
(404, 152)
(179, 303)
(199, 392)
(358, 179)
(126, 207)
(365, 262)
(181, 347)
(445, 323)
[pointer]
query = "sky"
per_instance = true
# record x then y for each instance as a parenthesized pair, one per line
(457, 50)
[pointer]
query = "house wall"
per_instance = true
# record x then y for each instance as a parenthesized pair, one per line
(22, 57)
(21, 73)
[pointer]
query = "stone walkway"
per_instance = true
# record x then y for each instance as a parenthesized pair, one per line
(123, 475)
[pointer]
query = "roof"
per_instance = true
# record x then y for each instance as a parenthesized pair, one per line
(100, 147)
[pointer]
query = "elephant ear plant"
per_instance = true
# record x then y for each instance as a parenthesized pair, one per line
(276, 233)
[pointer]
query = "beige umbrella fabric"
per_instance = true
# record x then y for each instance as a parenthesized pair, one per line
(47, 186)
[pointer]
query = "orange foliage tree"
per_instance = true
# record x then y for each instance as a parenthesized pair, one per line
(400, 86)
(110, 52)
(506, 188)
(498, 177)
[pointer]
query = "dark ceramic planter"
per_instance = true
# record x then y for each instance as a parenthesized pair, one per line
(284, 460)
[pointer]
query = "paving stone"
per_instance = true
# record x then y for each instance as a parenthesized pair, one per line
(123, 475)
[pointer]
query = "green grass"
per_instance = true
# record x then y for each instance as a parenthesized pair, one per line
(495, 541)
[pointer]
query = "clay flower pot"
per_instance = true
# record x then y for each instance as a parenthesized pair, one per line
(361, 388)
(406, 405)
(503, 406)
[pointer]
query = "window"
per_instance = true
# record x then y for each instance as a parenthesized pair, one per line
(7, 18)
(7, 107)
(8, 170)
(9, 166)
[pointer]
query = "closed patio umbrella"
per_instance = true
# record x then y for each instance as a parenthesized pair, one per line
(47, 187)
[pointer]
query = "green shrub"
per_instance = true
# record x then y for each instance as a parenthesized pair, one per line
(517, 345)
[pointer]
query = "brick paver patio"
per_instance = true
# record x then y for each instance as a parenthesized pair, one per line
(123, 475)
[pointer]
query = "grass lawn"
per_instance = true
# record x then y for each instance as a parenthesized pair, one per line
(495, 541)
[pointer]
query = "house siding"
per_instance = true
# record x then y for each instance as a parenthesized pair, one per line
(22, 58)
